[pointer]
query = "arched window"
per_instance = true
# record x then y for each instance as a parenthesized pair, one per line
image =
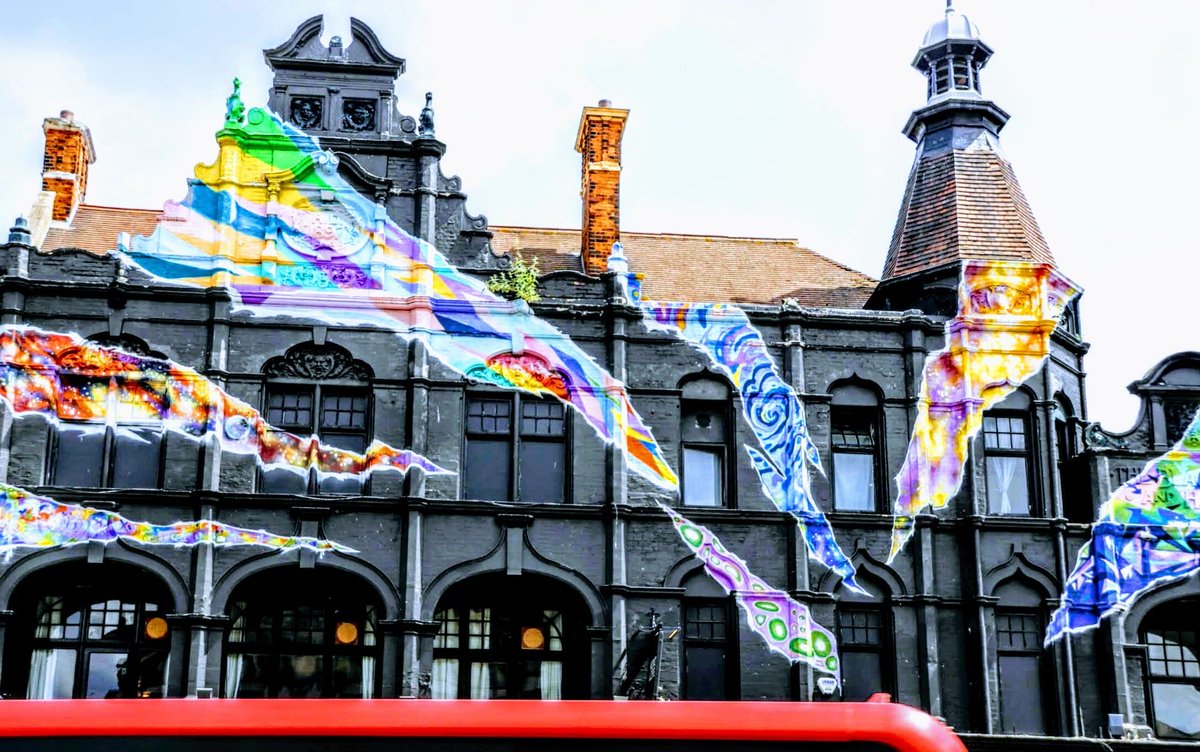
(710, 639)
(317, 390)
(855, 446)
(704, 443)
(510, 637)
(104, 438)
(302, 633)
(866, 640)
(1171, 634)
(1008, 457)
(1022, 663)
(89, 631)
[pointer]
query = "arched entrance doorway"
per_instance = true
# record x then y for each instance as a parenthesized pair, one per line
(93, 631)
(511, 637)
(302, 633)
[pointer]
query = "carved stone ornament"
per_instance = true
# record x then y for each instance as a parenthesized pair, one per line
(335, 277)
(324, 235)
(1002, 299)
(317, 363)
(306, 112)
(358, 115)
(1096, 437)
(424, 685)
(526, 371)
(427, 117)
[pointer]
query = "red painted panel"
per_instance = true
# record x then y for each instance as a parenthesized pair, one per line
(901, 727)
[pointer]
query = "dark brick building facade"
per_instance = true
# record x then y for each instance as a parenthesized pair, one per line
(540, 528)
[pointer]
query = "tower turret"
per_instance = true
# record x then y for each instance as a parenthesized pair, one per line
(963, 200)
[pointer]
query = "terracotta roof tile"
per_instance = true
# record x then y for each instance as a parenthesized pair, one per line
(95, 228)
(691, 268)
(705, 268)
(965, 203)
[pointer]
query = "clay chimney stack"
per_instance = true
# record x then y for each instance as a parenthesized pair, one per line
(599, 141)
(65, 162)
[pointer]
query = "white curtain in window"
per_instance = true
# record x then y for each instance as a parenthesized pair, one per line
(42, 673)
(368, 677)
(481, 681)
(233, 674)
(166, 675)
(550, 680)
(854, 482)
(1001, 473)
(444, 681)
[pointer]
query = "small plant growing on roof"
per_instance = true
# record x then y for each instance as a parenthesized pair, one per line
(517, 281)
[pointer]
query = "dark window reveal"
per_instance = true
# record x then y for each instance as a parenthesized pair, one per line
(518, 433)
(338, 415)
(863, 638)
(1006, 459)
(105, 436)
(704, 449)
(855, 452)
(1019, 656)
(706, 645)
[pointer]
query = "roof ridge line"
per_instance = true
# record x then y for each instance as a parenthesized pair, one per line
(795, 241)
(120, 208)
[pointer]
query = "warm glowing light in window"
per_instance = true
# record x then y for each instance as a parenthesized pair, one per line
(347, 633)
(532, 639)
(156, 628)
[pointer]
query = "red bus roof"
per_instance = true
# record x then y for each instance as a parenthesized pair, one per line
(899, 726)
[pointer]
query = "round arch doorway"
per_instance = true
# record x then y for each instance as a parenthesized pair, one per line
(511, 637)
(89, 631)
(302, 633)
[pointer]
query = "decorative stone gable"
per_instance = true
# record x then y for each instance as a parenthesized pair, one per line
(344, 93)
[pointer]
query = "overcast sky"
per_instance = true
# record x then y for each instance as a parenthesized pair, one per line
(768, 119)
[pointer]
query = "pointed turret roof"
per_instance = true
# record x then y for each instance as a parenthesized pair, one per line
(962, 200)
(963, 204)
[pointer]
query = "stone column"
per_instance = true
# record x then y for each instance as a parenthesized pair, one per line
(617, 315)
(204, 635)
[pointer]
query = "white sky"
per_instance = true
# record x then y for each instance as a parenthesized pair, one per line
(754, 118)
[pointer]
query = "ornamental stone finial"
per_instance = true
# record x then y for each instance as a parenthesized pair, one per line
(235, 110)
(426, 126)
(20, 232)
